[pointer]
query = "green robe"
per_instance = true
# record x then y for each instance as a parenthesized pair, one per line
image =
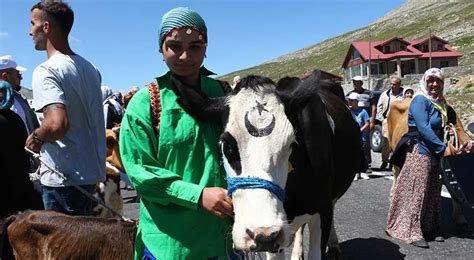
(170, 171)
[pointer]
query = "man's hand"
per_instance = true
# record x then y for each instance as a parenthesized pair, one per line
(215, 200)
(33, 143)
(372, 124)
(450, 150)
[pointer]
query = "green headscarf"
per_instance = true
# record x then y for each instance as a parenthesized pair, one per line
(182, 17)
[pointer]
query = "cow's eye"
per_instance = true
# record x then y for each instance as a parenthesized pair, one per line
(231, 152)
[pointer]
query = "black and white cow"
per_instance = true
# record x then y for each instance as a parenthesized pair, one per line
(305, 122)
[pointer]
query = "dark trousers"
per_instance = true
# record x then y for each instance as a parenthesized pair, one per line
(68, 200)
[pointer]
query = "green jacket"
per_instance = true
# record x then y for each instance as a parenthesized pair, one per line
(170, 171)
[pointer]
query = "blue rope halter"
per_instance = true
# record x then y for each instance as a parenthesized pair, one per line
(254, 183)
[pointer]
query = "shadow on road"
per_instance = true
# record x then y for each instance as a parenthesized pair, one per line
(370, 248)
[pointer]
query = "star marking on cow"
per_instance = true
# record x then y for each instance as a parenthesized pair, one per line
(261, 107)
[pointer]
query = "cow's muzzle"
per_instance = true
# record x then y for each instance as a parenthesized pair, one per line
(265, 239)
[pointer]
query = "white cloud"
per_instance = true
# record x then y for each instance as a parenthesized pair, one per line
(3, 34)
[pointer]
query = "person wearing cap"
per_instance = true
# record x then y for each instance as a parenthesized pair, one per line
(362, 118)
(414, 215)
(394, 93)
(66, 90)
(17, 191)
(11, 72)
(408, 92)
(367, 102)
(185, 212)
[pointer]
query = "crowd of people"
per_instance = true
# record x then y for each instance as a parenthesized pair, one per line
(172, 160)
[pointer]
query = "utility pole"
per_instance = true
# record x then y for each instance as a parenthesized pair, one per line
(370, 58)
(429, 45)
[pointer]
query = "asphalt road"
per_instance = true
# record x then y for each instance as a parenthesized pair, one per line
(360, 218)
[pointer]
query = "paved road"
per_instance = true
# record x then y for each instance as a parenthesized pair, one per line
(360, 222)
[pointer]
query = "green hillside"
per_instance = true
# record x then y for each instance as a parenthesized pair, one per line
(450, 20)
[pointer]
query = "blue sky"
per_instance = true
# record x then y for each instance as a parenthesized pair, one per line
(121, 37)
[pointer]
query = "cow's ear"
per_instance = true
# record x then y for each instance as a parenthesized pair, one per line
(286, 87)
(198, 104)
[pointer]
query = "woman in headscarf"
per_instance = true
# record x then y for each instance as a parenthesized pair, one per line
(113, 111)
(172, 159)
(414, 215)
(17, 192)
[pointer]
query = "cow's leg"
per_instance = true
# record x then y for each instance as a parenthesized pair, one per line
(297, 252)
(458, 216)
(276, 256)
(334, 251)
(395, 173)
(315, 234)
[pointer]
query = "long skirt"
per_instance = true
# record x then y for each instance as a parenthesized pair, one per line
(416, 203)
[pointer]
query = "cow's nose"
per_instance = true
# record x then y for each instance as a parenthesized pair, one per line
(265, 239)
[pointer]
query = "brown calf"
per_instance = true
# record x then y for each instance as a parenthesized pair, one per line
(52, 235)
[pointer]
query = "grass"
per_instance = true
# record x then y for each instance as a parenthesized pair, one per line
(330, 59)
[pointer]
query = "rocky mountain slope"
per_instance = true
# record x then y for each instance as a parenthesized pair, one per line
(452, 20)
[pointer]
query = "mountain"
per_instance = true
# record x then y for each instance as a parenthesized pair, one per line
(452, 20)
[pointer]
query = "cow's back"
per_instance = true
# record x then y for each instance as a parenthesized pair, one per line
(49, 234)
(397, 121)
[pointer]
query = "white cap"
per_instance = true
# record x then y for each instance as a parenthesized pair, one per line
(7, 62)
(353, 96)
(357, 78)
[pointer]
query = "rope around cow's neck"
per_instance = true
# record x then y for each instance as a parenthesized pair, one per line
(79, 188)
(236, 183)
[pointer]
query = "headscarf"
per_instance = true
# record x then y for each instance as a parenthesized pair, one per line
(405, 89)
(7, 101)
(439, 102)
(433, 72)
(108, 97)
(181, 17)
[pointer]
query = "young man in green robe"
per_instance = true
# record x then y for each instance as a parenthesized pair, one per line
(184, 210)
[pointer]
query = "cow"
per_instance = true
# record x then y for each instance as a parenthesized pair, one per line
(48, 234)
(266, 126)
(109, 190)
(397, 120)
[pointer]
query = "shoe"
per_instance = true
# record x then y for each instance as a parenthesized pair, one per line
(357, 177)
(383, 166)
(364, 176)
(369, 170)
(420, 243)
(433, 236)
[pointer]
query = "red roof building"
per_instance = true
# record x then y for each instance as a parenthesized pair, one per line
(399, 56)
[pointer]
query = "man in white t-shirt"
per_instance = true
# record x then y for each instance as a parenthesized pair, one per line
(66, 89)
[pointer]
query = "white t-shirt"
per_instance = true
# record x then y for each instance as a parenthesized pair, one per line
(80, 155)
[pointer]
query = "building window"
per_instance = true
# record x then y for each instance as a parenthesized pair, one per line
(386, 49)
(443, 63)
(403, 47)
(440, 47)
(355, 54)
(424, 48)
(381, 68)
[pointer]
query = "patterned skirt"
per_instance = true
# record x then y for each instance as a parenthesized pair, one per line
(416, 203)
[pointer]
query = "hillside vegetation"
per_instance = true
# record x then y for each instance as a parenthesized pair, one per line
(450, 20)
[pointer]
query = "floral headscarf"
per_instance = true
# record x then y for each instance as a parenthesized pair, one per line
(7, 98)
(439, 102)
(433, 72)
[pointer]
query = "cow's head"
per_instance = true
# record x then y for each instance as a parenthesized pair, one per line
(256, 145)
